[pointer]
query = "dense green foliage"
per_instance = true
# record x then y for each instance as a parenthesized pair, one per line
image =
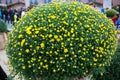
(110, 13)
(3, 26)
(61, 41)
(112, 71)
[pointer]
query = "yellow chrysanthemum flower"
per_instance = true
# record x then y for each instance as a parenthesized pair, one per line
(27, 50)
(42, 45)
(55, 36)
(22, 42)
(23, 67)
(65, 50)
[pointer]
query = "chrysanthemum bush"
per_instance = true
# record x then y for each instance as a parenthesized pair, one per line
(61, 41)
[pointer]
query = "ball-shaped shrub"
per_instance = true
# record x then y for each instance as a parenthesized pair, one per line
(110, 13)
(3, 26)
(61, 41)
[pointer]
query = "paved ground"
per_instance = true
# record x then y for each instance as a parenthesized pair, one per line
(4, 62)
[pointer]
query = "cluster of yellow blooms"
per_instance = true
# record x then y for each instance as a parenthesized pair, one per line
(61, 39)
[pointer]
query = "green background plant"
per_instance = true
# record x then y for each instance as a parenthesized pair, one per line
(59, 41)
(3, 26)
(110, 13)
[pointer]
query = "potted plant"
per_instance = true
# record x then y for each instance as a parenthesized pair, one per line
(61, 41)
(3, 29)
(110, 13)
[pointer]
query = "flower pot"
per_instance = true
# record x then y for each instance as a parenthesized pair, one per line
(3, 39)
(84, 78)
